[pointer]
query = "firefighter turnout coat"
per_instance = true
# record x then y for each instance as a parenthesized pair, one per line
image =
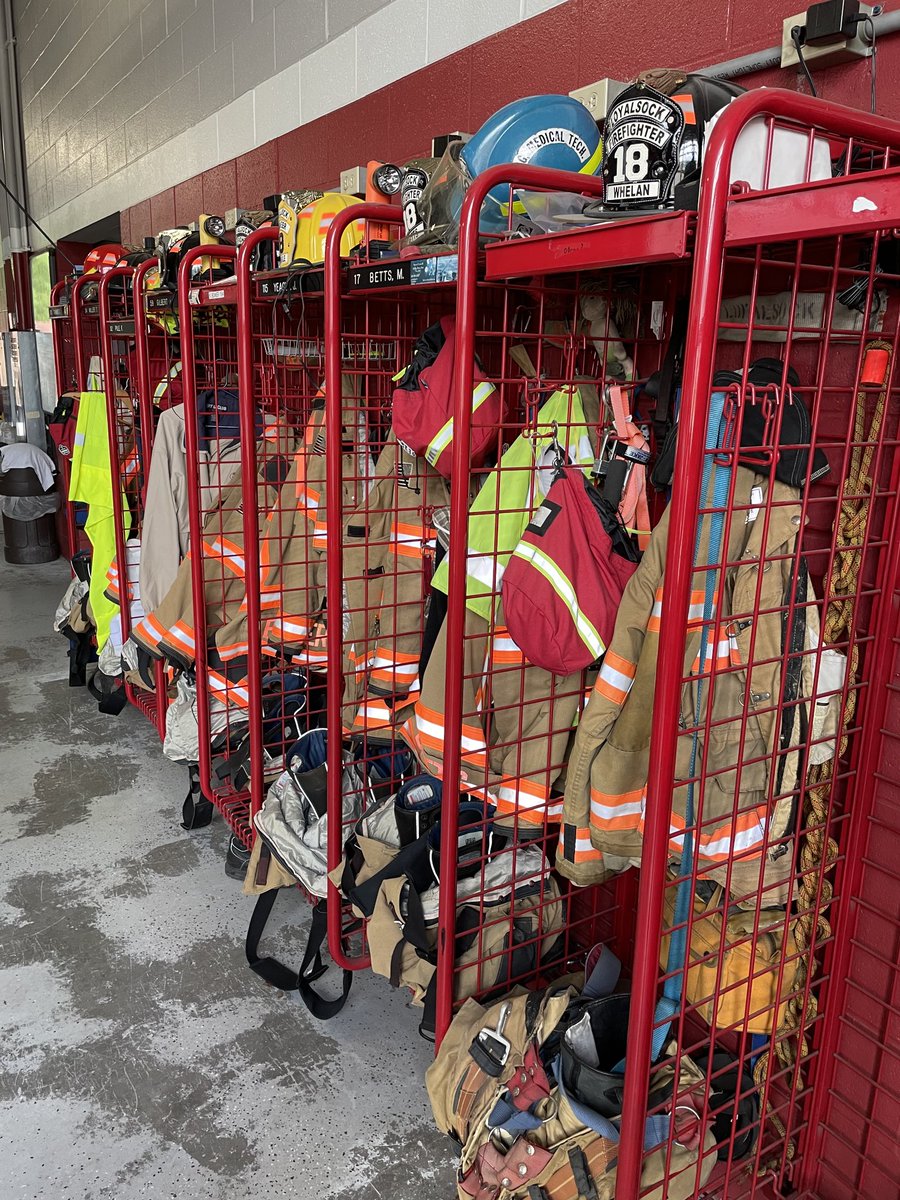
(740, 809)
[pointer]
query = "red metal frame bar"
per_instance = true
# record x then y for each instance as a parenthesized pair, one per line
(249, 469)
(58, 361)
(659, 238)
(58, 326)
(195, 513)
(78, 330)
(869, 758)
(153, 707)
(142, 350)
(146, 432)
(334, 560)
(812, 210)
(513, 175)
(699, 362)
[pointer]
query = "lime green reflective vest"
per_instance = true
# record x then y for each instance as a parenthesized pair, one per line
(91, 483)
(511, 493)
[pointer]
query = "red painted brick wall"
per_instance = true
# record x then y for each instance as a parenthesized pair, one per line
(567, 47)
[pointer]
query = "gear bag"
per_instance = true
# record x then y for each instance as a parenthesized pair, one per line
(505, 925)
(723, 965)
(785, 435)
(564, 581)
(501, 1086)
(292, 847)
(423, 402)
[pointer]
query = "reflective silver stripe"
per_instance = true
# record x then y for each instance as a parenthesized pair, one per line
(163, 384)
(563, 588)
(442, 438)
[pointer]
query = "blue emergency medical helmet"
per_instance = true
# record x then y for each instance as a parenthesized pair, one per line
(544, 131)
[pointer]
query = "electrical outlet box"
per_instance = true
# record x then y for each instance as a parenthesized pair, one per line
(597, 97)
(353, 181)
(841, 50)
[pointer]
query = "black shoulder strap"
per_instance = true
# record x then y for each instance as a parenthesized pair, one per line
(197, 810)
(312, 967)
(411, 860)
(670, 371)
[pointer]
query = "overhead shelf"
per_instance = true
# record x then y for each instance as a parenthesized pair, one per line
(662, 237)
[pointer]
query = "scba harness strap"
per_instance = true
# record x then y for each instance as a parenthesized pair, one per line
(311, 968)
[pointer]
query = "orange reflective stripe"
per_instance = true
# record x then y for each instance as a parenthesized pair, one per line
(695, 610)
(585, 851)
(182, 634)
(686, 103)
(744, 835)
(229, 553)
(309, 497)
(611, 810)
(394, 668)
(504, 651)
(408, 541)
(373, 714)
(311, 657)
(724, 652)
(232, 650)
(288, 629)
(529, 799)
(615, 678)
(231, 693)
(150, 630)
(430, 729)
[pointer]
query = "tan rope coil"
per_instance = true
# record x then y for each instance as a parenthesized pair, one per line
(818, 850)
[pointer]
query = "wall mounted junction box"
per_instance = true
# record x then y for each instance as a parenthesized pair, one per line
(597, 97)
(842, 49)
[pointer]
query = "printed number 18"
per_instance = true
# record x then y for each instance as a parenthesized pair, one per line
(631, 162)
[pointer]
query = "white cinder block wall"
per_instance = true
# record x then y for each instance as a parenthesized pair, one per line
(122, 98)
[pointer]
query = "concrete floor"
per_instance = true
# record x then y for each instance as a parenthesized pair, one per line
(139, 1055)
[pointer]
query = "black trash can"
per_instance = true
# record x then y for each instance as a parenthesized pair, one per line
(27, 542)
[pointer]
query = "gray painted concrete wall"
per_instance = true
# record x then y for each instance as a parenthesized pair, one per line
(122, 98)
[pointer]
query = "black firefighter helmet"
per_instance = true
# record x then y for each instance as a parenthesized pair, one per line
(653, 142)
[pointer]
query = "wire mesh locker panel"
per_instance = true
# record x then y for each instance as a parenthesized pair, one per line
(185, 626)
(219, 573)
(164, 533)
(730, 743)
(387, 505)
(380, 546)
(63, 346)
(535, 395)
(83, 309)
(280, 629)
(774, 622)
(854, 1145)
(130, 430)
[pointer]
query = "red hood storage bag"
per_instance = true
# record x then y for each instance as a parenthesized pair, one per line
(564, 581)
(423, 402)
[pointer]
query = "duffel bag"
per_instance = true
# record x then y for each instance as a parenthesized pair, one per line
(506, 925)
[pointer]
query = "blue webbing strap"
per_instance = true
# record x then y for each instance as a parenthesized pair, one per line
(670, 1002)
(656, 1128)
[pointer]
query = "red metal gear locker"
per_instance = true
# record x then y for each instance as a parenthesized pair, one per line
(131, 426)
(810, 271)
(209, 355)
(280, 369)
